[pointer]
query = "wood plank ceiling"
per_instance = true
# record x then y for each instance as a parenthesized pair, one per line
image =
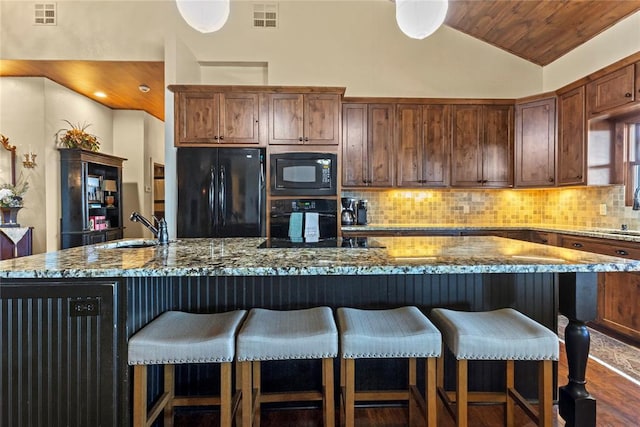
(539, 31)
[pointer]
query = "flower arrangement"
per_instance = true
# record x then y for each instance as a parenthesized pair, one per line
(77, 137)
(11, 195)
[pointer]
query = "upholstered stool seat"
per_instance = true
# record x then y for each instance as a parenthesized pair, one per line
(177, 337)
(286, 335)
(394, 333)
(503, 334)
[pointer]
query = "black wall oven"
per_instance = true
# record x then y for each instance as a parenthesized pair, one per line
(282, 209)
(303, 174)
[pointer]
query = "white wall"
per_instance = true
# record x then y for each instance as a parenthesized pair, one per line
(610, 46)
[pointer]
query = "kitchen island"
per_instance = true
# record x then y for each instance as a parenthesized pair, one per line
(67, 315)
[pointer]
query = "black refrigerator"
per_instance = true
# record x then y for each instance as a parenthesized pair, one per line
(221, 192)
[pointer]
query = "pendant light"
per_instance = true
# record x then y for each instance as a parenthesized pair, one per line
(205, 16)
(420, 18)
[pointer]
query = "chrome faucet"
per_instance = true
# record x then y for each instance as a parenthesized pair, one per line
(159, 233)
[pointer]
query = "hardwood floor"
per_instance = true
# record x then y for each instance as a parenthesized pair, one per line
(618, 400)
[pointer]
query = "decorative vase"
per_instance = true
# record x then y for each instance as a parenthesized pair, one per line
(10, 216)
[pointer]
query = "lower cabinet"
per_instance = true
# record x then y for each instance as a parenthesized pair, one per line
(58, 342)
(618, 293)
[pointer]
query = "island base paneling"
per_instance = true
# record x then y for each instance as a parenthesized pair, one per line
(536, 295)
(58, 346)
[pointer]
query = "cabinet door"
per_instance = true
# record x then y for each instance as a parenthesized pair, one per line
(613, 90)
(321, 119)
(239, 118)
(286, 114)
(381, 157)
(410, 146)
(497, 147)
(466, 150)
(197, 118)
(535, 143)
(436, 137)
(354, 145)
(618, 302)
(571, 138)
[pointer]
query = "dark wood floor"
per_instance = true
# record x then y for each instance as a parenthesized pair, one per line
(618, 400)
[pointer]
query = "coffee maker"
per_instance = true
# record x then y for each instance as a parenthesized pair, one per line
(348, 215)
(361, 214)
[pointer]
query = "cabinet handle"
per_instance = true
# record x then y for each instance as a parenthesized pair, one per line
(215, 137)
(306, 138)
(221, 137)
(479, 181)
(622, 252)
(551, 179)
(577, 245)
(300, 139)
(627, 95)
(579, 176)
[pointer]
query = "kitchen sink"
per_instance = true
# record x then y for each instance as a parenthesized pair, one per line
(618, 232)
(130, 244)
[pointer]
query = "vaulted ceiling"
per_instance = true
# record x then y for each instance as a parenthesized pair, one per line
(539, 31)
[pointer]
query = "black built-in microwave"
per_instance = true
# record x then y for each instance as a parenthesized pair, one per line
(303, 174)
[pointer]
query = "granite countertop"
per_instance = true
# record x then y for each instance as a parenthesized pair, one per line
(240, 256)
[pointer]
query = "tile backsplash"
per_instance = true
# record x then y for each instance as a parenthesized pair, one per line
(575, 206)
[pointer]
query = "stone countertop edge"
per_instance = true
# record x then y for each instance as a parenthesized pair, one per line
(241, 257)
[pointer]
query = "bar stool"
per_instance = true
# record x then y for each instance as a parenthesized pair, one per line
(395, 333)
(503, 334)
(177, 337)
(286, 335)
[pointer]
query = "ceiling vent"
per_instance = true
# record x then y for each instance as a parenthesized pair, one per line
(45, 14)
(265, 15)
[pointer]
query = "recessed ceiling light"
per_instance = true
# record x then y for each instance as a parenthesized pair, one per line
(144, 88)
(100, 94)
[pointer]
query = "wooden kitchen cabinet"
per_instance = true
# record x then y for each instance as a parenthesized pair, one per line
(618, 293)
(217, 118)
(613, 90)
(535, 143)
(367, 146)
(572, 144)
(309, 119)
(423, 138)
(482, 145)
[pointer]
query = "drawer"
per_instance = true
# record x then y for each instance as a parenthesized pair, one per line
(602, 246)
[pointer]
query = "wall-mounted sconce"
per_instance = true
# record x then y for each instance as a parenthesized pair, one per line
(29, 161)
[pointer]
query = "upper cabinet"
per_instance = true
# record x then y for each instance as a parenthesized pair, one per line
(423, 138)
(367, 145)
(614, 89)
(310, 118)
(482, 144)
(535, 143)
(204, 118)
(572, 144)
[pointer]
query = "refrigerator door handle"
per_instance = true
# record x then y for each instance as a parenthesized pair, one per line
(212, 190)
(223, 202)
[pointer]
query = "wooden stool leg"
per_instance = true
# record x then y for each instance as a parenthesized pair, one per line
(328, 401)
(413, 380)
(509, 406)
(257, 387)
(461, 393)
(349, 400)
(247, 394)
(170, 389)
(139, 395)
(545, 394)
(225, 394)
(440, 370)
(342, 396)
(430, 392)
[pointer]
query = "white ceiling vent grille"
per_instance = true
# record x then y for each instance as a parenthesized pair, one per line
(265, 15)
(45, 14)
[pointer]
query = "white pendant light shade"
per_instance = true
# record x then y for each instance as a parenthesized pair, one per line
(205, 16)
(420, 18)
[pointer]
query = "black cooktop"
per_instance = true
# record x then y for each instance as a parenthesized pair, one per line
(352, 242)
